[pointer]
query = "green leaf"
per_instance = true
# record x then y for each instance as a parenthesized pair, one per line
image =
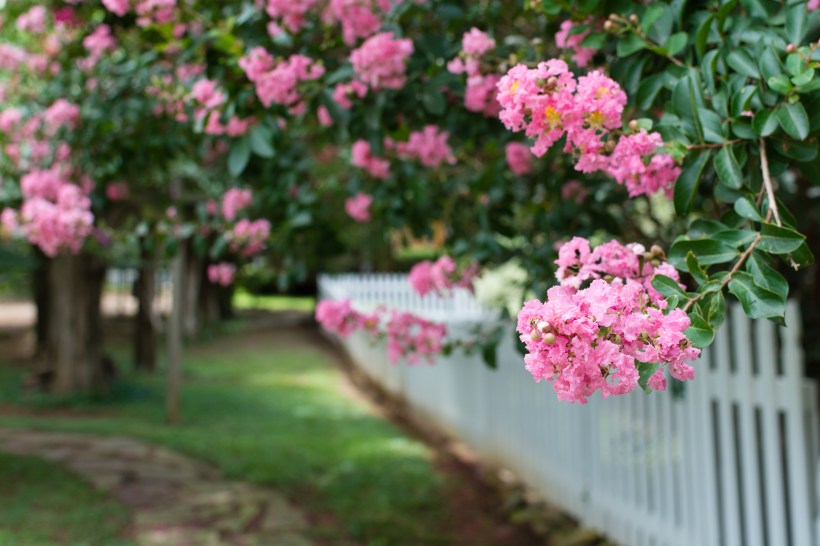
(765, 275)
(741, 100)
(490, 355)
(260, 141)
(687, 185)
(713, 129)
(653, 11)
(595, 40)
(700, 333)
(703, 34)
(796, 17)
(697, 272)
(742, 62)
(433, 101)
(676, 43)
(629, 44)
(779, 239)
(757, 302)
(728, 169)
(645, 371)
(770, 66)
(794, 120)
(804, 79)
(668, 287)
(780, 84)
(746, 208)
(239, 156)
(803, 256)
(765, 122)
(708, 252)
(795, 64)
(713, 305)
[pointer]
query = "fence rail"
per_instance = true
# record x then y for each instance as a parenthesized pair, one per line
(729, 461)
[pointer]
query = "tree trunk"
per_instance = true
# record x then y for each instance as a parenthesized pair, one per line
(192, 275)
(175, 332)
(72, 353)
(39, 281)
(145, 331)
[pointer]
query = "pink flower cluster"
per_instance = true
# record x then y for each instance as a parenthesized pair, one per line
(359, 18)
(343, 92)
(548, 103)
(428, 146)
(358, 207)
(55, 215)
(581, 55)
(221, 273)
(361, 156)
(813, 5)
(381, 61)
(441, 276)
(247, 238)
(480, 93)
(278, 82)
(519, 158)
(408, 336)
(234, 201)
(97, 44)
(33, 20)
(589, 339)
(291, 13)
(116, 191)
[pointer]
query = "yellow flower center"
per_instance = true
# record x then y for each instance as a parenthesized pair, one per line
(596, 119)
(601, 92)
(514, 87)
(553, 117)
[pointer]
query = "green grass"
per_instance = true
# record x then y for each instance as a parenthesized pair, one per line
(268, 409)
(246, 300)
(45, 505)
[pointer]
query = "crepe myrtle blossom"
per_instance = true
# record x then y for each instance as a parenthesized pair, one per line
(548, 103)
(247, 238)
(55, 215)
(581, 55)
(221, 273)
(408, 336)
(234, 201)
(479, 95)
(358, 18)
(117, 7)
(206, 93)
(441, 276)
(33, 20)
(519, 158)
(290, 13)
(428, 146)
(278, 82)
(381, 61)
(116, 191)
(361, 156)
(343, 92)
(358, 207)
(588, 337)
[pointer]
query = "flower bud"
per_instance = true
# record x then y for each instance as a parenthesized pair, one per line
(633, 125)
(634, 18)
(655, 262)
(535, 335)
(609, 146)
(791, 48)
(657, 251)
(609, 26)
(550, 338)
(544, 327)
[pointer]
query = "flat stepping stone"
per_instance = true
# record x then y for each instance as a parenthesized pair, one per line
(173, 500)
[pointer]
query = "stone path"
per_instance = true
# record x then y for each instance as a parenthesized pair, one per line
(173, 500)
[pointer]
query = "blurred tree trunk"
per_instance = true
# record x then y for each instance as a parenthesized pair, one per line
(39, 281)
(145, 331)
(72, 355)
(192, 277)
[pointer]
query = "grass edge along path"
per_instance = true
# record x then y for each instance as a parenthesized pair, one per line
(267, 408)
(44, 504)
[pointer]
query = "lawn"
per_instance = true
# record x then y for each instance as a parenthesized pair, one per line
(45, 505)
(245, 300)
(268, 408)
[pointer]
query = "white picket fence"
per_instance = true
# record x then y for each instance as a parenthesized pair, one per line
(732, 461)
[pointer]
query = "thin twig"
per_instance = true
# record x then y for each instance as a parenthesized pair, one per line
(706, 145)
(767, 181)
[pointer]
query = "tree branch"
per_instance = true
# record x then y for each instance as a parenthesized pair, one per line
(767, 182)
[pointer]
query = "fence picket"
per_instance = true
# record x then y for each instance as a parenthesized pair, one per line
(732, 462)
